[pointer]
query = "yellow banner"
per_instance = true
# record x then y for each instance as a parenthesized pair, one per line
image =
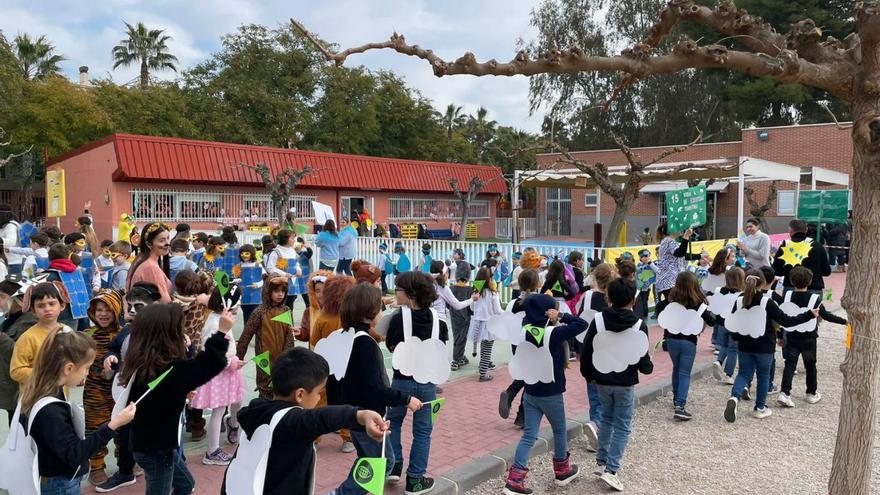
(56, 197)
(711, 247)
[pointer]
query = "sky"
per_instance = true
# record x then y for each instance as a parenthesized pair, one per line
(85, 33)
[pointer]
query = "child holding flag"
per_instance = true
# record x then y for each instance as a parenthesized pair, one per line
(365, 383)
(159, 375)
(483, 309)
(224, 390)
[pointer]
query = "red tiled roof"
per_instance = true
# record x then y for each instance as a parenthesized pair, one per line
(159, 159)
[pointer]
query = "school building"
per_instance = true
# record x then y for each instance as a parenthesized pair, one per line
(573, 212)
(202, 183)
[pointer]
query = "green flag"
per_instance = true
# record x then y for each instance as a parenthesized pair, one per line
(435, 408)
(479, 284)
(159, 379)
(285, 317)
(221, 280)
(537, 332)
(369, 473)
(657, 346)
(262, 362)
(556, 287)
(302, 229)
(828, 295)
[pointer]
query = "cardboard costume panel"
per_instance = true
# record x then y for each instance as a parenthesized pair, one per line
(614, 352)
(586, 313)
(751, 322)
(246, 474)
(250, 276)
(426, 361)
(531, 363)
(677, 319)
(722, 304)
(336, 349)
(792, 309)
(507, 325)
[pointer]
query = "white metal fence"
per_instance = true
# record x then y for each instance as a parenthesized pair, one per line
(435, 209)
(150, 205)
(504, 228)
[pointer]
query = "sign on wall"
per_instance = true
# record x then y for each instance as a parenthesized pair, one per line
(56, 197)
(823, 206)
(686, 208)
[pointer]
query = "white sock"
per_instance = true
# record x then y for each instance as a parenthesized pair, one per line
(214, 425)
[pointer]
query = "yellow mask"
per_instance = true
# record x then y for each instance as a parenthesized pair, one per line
(80, 244)
(245, 256)
(106, 253)
(221, 249)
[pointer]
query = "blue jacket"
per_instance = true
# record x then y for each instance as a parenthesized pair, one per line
(329, 245)
(348, 243)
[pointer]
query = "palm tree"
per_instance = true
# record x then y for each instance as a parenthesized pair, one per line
(452, 120)
(36, 57)
(146, 46)
(482, 130)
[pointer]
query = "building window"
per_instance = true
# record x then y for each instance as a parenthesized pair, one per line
(149, 205)
(206, 207)
(435, 209)
(591, 200)
(785, 203)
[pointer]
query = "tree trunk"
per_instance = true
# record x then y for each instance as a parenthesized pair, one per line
(280, 210)
(621, 209)
(465, 213)
(853, 452)
(145, 75)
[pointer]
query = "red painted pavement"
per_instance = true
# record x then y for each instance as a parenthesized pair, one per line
(468, 427)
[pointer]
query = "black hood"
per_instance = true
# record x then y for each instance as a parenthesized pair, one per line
(259, 412)
(619, 319)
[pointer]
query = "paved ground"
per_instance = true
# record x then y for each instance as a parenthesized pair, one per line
(469, 426)
(788, 453)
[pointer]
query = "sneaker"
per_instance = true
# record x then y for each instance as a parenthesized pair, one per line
(138, 471)
(785, 400)
(486, 378)
(396, 471)
(415, 486)
(813, 398)
(118, 480)
(231, 432)
(682, 415)
(746, 395)
(718, 371)
(492, 366)
(592, 432)
(599, 469)
(347, 447)
(217, 458)
(97, 476)
(728, 380)
(455, 366)
(504, 403)
(762, 413)
(716, 352)
(564, 471)
(612, 480)
(730, 410)
(773, 390)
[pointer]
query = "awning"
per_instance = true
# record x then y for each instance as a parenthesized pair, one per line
(662, 187)
(818, 176)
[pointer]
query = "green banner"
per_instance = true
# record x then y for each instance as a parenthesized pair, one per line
(685, 208)
(823, 206)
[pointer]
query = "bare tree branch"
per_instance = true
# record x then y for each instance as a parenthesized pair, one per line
(9, 158)
(677, 149)
(834, 117)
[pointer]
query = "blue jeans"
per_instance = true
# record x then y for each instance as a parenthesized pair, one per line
(536, 408)
(618, 405)
(749, 364)
(727, 348)
(682, 353)
(60, 485)
(164, 471)
(421, 426)
(595, 404)
(366, 447)
(716, 336)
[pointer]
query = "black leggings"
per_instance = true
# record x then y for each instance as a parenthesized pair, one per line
(292, 298)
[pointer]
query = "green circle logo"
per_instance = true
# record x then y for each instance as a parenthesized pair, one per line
(534, 331)
(364, 473)
(264, 362)
(436, 408)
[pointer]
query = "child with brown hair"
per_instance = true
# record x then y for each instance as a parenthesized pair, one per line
(721, 304)
(529, 282)
(488, 305)
(192, 297)
(47, 302)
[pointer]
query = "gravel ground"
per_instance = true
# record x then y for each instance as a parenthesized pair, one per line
(788, 453)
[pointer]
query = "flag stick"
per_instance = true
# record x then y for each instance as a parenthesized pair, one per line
(142, 396)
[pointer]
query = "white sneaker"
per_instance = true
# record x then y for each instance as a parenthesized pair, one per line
(348, 447)
(599, 469)
(612, 480)
(592, 432)
(728, 380)
(773, 390)
(766, 412)
(785, 400)
(717, 371)
(813, 398)
(730, 410)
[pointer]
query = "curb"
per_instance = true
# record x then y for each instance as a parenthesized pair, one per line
(463, 478)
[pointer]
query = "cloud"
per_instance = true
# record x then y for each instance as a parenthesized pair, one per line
(677, 319)
(614, 352)
(507, 326)
(587, 313)
(792, 309)
(426, 361)
(242, 476)
(336, 349)
(489, 29)
(722, 304)
(532, 364)
(751, 322)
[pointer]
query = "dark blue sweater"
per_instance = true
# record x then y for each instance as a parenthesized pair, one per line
(571, 327)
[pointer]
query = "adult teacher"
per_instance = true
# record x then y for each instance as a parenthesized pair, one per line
(673, 259)
(816, 260)
(328, 244)
(151, 264)
(347, 247)
(756, 246)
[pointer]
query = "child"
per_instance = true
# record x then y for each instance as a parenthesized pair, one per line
(199, 243)
(121, 253)
(47, 302)
(303, 255)
(461, 318)
(104, 311)
(801, 342)
(60, 264)
(646, 274)
(403, 263)
(756, 341)
(483, 309)
(626, 268)
(251, 274)
(542, 399)
(616, 388)
(415, 290)
(38, 250)
(15, 323)
(725, 362)
(365, 384)
(63, 361)
(528, 283)
(714, 280)
(445, 297)
(213, 257)
(299, 376)
(104, 265)
(224, 390)
(688, 313)
(555, 283)
(178, 261)
(386, 262)
(272, 336)
(157, 344)
(426, 259)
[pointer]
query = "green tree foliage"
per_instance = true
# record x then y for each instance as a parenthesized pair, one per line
(11, 82)
(36, 57)
(146, 47)
(346, 119)
(160, 110)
